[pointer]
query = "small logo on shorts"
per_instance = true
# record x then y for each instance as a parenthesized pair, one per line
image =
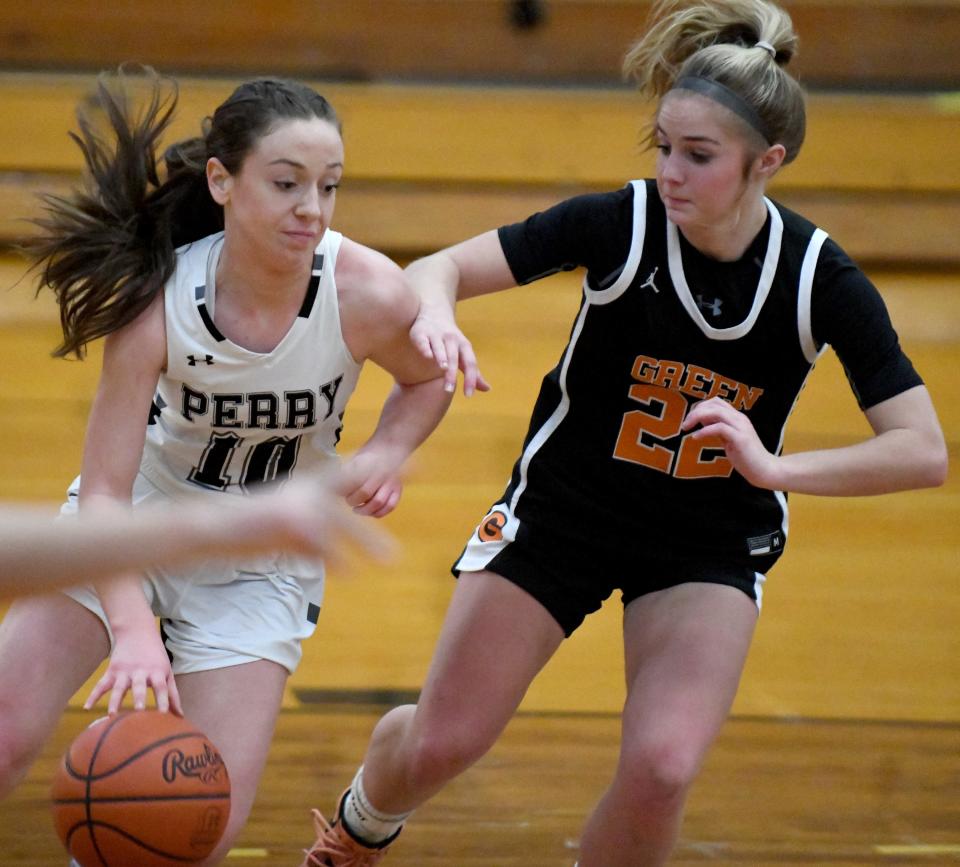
(491, 527)
(771, 543)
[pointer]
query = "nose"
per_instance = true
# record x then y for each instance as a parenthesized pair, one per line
(668, 168)
(308, 205)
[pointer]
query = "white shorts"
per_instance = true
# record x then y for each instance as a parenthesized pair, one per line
(221, 612)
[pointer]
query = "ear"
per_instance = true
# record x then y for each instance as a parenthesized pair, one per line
(769, 162)
(219, 181)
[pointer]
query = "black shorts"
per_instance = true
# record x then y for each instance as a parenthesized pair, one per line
(573, 580)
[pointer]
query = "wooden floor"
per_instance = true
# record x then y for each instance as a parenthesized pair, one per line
(824, 793)
(844, 747)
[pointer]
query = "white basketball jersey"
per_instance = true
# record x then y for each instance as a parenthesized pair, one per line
(225, 418)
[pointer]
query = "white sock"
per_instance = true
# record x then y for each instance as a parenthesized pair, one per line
(366, 821)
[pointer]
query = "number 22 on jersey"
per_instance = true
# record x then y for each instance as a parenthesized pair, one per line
(643, 433)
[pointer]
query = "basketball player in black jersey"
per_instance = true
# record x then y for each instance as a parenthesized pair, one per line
(653, 460)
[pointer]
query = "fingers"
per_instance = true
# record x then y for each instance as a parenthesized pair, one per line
(481, 383)
(472, 377)
(173, 695)
(709, 411)
(389, 505)
(450, 360)
(117, 684)
(423, 344)
(721, 430)
(99, 688)
(380, 503)
(452, 351)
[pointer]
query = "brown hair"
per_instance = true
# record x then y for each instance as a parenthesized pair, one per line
(721, 41)
(109, 248)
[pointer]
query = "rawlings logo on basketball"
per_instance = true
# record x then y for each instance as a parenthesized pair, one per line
(491, 527)
(206, 766)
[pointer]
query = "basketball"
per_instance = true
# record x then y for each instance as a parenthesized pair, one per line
(141, 789)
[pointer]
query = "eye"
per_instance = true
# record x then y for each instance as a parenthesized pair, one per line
(331, 188)
(663, 148)
(700, 158)
(284, 185)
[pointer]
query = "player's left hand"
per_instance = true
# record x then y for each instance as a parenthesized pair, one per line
(717, 418)
(370, 483)
(438, 337)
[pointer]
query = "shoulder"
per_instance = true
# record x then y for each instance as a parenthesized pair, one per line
(369, 277)
(375, 300)
(359, 263)
(140, 345)
(592, 230)
(580, 210)
(795, 226)
(194, 254)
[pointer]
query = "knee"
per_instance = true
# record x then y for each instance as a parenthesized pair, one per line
(658, 774)
(440, 752)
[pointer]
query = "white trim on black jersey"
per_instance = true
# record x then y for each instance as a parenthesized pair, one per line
(770, 262)
(638, 238)
(556, 417)
(804, 295)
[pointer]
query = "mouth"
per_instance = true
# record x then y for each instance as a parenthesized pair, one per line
(304, 236)
(673, 201)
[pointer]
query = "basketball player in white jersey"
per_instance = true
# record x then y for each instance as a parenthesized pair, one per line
(653, 460)
(236, 323)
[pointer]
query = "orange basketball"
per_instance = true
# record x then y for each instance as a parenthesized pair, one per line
(141, 789)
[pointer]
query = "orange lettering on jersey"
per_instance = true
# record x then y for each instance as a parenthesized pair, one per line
(746, 397)
(695, 380)
(645, 432)
(644, 369)
(669, 374)
(723, 387)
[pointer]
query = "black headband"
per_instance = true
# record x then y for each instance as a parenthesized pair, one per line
(726, 97)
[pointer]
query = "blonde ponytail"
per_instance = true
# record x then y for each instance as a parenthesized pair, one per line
(742, 45)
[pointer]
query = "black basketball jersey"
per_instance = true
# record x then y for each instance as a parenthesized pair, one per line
(657, 331)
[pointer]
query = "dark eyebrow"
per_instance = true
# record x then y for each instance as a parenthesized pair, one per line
(299, 165)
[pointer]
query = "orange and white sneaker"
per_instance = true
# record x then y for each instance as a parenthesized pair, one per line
(337, 847)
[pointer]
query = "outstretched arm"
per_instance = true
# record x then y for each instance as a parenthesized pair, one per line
(907, 450)
(474, 267)
(39, 553)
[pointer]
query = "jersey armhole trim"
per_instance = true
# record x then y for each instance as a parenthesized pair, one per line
(637, 235)
(805, 295)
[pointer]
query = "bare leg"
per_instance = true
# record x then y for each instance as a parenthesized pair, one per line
(49, 645)
(494, 640)
(685, 650)
(237, 709)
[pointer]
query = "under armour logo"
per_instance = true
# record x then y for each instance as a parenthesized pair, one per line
(648, 283)
(193, 361)
(712, 306)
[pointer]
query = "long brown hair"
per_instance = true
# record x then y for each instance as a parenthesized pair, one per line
(107, 249)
